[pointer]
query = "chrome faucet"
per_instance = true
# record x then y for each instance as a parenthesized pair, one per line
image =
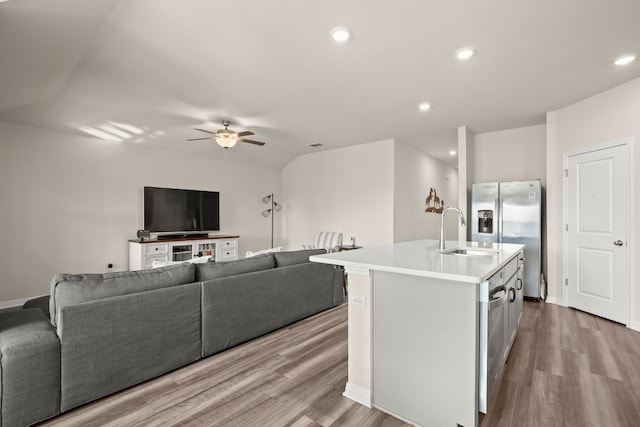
(462, 223)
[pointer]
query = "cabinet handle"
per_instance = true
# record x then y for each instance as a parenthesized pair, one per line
(519, 287)
(618, 243)
(514, 294)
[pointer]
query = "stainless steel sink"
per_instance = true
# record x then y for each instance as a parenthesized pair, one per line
(471, 252)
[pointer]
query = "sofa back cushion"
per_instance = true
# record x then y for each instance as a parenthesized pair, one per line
(69, 289)
(284, 259)
(216, 270)
(113, 343)
(239, 308)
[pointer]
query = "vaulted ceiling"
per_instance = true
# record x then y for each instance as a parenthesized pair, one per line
(149, 71)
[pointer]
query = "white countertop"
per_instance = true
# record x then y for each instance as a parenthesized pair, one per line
(422, 258)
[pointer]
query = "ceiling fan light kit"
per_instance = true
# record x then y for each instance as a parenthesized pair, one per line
(226, 139)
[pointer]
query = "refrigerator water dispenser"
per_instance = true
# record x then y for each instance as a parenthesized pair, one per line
(485, 221)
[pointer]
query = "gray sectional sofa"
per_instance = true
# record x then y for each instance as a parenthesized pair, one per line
(101, 333)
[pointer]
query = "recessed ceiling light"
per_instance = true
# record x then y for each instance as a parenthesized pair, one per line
(452, 152)
(424, 106)
(624, 60)
(340, 34)
(465, 53)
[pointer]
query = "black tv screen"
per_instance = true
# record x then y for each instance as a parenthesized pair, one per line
(170, 209)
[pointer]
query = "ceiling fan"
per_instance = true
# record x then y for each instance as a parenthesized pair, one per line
(227, 138)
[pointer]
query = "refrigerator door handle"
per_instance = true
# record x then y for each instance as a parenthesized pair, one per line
(499, 203)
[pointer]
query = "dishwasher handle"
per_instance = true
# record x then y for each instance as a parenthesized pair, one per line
(498, 296)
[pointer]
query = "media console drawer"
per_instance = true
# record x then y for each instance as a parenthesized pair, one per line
(227, 254)
(225, 244)
(155, 248)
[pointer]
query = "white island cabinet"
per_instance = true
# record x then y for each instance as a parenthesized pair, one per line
(416, 324)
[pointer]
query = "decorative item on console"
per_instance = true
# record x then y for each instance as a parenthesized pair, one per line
(433, 202)
(143, 234)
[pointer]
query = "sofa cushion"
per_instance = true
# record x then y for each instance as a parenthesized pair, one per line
(215, 270)
(284, 259)
(77, 288)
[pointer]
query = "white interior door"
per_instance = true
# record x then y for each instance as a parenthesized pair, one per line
(597, 256)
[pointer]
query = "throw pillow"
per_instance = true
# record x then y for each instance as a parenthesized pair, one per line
(250, 254)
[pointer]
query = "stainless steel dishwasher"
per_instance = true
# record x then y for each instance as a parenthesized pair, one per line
(494, 304)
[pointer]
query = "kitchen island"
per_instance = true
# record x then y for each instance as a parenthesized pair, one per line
(416, 324)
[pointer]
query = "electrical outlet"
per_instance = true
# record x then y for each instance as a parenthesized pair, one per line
(358, 300)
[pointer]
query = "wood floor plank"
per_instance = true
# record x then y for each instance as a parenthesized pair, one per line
(545, 399)
(330, 407)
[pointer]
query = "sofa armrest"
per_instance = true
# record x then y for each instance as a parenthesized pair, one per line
(30, 368)
(41, 303)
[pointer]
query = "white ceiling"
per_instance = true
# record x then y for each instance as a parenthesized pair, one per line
(167, 66)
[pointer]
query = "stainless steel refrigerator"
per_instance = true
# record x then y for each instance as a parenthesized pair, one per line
(511, 212)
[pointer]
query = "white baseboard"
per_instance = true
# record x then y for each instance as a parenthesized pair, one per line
(14, 303)
(635, 325)
(555, 300)
(358, 394)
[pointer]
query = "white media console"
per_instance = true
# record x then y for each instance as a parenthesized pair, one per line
(143, 254)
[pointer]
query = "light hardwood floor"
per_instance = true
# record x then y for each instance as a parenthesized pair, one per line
(566, 368)
(569, 368)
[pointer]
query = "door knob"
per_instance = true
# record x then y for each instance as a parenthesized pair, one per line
(618, 243)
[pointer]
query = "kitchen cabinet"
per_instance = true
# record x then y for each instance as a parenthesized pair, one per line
(515, 290)
(511, 321)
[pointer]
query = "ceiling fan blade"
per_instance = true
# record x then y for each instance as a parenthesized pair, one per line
(245, 133)
(198, 139)
(207, 131)
(250, 141)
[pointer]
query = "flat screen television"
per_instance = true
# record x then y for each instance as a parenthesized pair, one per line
(175, 210)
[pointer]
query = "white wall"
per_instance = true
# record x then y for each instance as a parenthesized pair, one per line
(348, 189)
(415, 173)
(511, 155)
(69, 204)
(606, 117)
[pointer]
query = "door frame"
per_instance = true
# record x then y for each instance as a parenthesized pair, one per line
(628, 142)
